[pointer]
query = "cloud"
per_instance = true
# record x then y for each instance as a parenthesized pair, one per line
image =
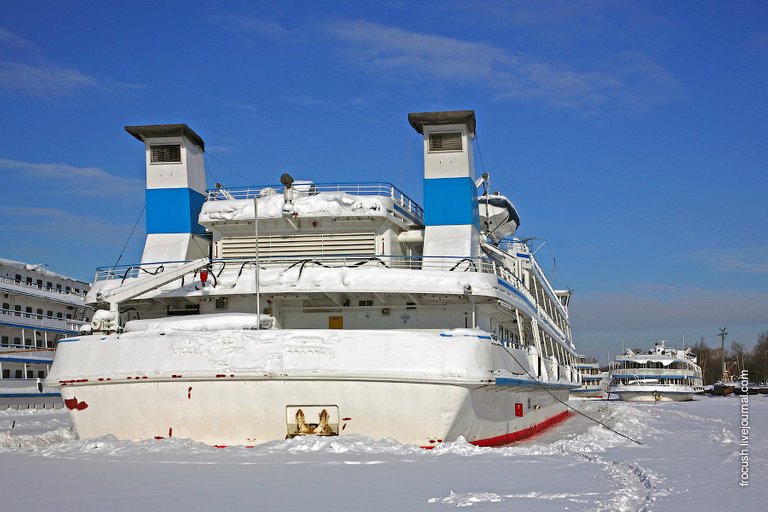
(749, 260)
(631, 81)
(261, 27)
(56, 223)
(657, 306)
(74, 181)
(31, 74)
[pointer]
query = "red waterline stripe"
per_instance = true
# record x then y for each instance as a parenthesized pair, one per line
(519, 434)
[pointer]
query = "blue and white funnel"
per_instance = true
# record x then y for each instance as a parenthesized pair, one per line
(452, 224)
(175, 192)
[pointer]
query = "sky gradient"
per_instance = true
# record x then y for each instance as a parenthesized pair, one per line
(630, 135)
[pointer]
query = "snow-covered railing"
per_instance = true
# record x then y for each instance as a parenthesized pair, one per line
(34, 286)
(358, 189)
(35, 320)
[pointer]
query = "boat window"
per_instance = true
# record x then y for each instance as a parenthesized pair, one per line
(39, 313)
(59, 315)
(39, 283)
(28, 309)
(18, 278)
(58, 286)
(50, 314)
(17, 308)
(30, 374)
(5, 341)
(6, 374)
(17, 341)
(6, 305)
(165, 153)
(19, 374)
(49, 285)
(29, 280)
(41, 374)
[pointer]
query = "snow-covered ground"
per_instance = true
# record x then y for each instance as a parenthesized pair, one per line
(689, 460)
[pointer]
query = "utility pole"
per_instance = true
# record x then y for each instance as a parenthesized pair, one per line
(723, 334)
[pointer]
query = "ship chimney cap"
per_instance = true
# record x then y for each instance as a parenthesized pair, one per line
(466, 117)
(150, 131)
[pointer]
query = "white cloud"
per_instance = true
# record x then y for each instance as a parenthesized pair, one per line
(750, 260)
(74, 181)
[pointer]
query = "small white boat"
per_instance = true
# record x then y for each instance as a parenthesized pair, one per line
(593, 381)
(498, 216)
(660, 375)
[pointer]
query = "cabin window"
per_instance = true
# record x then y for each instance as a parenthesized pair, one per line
(29, 280)
(41, 374)
(58, 286)
(221, 302)
(28, 310)
(18, 278)
(4, 341)
(30, 374)
(49, 285)
(6, 374)
(39, 313)
(69, 316)
(19, 374)
(6, 305)
(165, 153)
(39, 283)
(17, 309)
(67, 288)
(448, 141)
(59, 315)
(50, 314)
(365, 303)
(28, 342)
(17, 340)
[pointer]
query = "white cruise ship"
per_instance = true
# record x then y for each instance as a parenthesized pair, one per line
(39, 307)
(662, 374)
(267, 312)
(594, 381)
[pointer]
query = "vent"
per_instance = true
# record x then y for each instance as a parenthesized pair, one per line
(445, 142)
(300, 245)
(165, 153)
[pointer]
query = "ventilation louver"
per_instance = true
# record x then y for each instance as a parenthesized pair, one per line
(165, 153)
(445, 142)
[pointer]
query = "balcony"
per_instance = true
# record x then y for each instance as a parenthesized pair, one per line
(19, 319)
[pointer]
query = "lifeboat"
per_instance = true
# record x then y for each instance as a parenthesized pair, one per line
(498, 216)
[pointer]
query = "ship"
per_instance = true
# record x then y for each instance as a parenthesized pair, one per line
(302, 308)
(594, 380)
(39, 307)
(660, 375)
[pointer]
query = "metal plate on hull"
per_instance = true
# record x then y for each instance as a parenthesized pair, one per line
(312, 420)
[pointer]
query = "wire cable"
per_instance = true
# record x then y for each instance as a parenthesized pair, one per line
(544, 387)
(131, 235)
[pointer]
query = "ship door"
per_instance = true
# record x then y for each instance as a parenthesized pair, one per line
(335, 322)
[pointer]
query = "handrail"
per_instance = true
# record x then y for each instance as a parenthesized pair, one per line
(35, 286)
(359, 189)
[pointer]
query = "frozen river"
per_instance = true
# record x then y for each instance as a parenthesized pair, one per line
(690, 459)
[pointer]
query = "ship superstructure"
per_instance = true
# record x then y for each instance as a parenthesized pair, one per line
(300, 308)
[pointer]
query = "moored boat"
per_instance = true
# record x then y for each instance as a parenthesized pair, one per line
(662, 374)
(594, 381)
(265, 312)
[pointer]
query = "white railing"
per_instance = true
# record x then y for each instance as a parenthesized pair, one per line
(33, 320)
(358, 189)
(35, 286)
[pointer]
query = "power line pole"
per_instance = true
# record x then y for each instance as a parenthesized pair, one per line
(723, 334)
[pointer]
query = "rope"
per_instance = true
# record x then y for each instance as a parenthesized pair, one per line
(542, 386)
(247, 180)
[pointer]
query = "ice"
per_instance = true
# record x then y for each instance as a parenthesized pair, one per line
(688, 460)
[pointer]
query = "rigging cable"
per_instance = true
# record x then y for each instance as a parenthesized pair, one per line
(542, 386)
(227, 167)
(129, 236)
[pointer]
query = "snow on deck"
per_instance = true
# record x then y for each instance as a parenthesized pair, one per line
(689, 460)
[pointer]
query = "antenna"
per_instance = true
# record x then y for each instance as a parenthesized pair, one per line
(723, 334)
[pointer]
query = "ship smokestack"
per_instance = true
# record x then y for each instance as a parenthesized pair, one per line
(452, 223)
(175, 192)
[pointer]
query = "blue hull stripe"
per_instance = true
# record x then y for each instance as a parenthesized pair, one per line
(533, 384)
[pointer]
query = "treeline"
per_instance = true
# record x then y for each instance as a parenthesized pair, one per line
(737, 358)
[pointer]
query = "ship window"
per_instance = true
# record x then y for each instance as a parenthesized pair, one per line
(68, 288)
(5, 341)
(39, 313)
(50, 314)
(221, 303)
(28, 309)
(17, 341)
(165, 153)
(39, 283)
(6, 374)
(41, 374)
(18, 278)
(6, 305)
(59, 315)
(30, 374)
(17, 308)
(445, 142)
(49, 285)
(18, 374)
(69, 316)
(58, 286)
(367, 302)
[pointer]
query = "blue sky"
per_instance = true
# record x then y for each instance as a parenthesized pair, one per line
(630, 135)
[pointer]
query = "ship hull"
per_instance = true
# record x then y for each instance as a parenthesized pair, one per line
(650, 394)
(249, 387)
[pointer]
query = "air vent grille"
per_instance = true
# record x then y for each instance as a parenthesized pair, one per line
(300, 245)
(445, 142)
(165, 153)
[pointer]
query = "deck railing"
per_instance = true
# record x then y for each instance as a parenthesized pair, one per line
(358, 189)
(34, 286)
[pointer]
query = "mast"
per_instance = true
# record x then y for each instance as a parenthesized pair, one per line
(256, 259)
